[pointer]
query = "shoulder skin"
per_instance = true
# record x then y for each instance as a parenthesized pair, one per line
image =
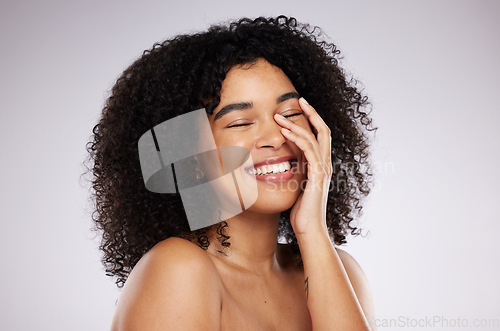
(360, 285)
(175, 286)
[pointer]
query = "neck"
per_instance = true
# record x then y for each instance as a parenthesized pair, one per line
(254, 239)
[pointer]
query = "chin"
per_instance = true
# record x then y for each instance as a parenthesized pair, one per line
(273, 202)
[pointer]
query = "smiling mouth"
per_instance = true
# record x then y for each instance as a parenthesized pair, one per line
(271, 169)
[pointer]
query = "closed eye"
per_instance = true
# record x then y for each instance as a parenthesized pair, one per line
(237, 125)
(291, 115)
(247, 124)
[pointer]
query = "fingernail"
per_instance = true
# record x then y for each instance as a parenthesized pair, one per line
(279, 116)
(304, 100)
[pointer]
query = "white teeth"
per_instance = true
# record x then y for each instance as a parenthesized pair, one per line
(271, 168)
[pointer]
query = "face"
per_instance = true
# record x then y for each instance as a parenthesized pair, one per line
(251, 95)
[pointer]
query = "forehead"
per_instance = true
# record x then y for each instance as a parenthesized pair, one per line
(258, 77)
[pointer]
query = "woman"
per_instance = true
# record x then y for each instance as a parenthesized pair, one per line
(253, 78)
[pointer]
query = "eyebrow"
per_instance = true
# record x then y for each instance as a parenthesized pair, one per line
(246, 105)
(286, 96)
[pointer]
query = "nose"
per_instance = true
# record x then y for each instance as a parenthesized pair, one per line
(270, 135)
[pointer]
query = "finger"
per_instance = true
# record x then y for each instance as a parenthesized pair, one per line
(285, 122)
(301, 133)
(322, 130)
(324, 156)
(311, 153)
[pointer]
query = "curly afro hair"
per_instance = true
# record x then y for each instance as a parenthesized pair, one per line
(181, 74)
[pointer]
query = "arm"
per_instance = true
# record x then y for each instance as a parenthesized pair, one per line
(175, 286)
(332, 297)
(332, 300)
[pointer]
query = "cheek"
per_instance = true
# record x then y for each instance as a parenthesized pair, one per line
(306, 125)
(233, 140)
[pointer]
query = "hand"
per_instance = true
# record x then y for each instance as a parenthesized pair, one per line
(309, 212)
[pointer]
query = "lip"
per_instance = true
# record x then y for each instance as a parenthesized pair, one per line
(275, 177)
(273, 160)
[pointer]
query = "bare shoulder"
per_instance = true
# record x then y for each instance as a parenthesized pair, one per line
(350, 264)
(173, 278)
(359, 283)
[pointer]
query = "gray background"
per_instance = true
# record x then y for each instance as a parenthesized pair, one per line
(431, 70)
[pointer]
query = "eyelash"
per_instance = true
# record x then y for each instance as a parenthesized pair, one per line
(246, 124)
